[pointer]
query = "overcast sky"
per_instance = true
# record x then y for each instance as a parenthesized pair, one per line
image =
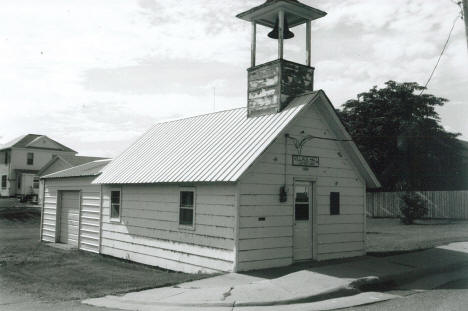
(96, 74)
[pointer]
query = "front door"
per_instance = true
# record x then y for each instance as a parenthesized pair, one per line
(302, 220)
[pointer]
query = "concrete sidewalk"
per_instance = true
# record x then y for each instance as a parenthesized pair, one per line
(344, 284)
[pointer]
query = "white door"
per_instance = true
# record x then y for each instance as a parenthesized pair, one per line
(302, 220)
(27, 184)
(69, 219)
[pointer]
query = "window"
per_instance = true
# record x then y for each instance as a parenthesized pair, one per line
(334, 203)
(4, 181)
(187, 207)
(301, 201)
(7, 157)
(36, 182)
(19, 180)
(30, 160)
(115, 205)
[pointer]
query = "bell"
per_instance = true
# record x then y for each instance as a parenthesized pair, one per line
(287, 33)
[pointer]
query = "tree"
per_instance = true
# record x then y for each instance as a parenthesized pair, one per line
(399, 132)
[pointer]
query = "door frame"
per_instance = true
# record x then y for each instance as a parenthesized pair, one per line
(58, 216)
(313, 181)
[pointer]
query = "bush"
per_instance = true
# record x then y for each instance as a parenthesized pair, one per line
(412, 208)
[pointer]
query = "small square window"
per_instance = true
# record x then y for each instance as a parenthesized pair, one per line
(187, 208)
(115, 205)
(334, 203)
(30, 159)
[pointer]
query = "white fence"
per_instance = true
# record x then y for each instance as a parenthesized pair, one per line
(441, 204)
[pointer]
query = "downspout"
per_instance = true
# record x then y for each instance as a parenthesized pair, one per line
(42, 209)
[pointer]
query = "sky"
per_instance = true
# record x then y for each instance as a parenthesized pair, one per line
(96, 74)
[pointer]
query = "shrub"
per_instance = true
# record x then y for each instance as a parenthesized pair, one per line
(412, 208)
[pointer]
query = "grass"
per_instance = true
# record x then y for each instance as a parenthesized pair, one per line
(33, 268)
(390, 235)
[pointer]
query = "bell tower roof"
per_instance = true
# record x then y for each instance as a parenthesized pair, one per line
(266, 14)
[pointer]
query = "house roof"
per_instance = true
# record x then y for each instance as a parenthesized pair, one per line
(217, 147)
(85, 170)
(25, 140)
(71, 160)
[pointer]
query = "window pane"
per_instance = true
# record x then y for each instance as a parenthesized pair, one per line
(334, 203)
(186, 198)
(30, 158)
(115, 210)
(115, 197)
(302, 194)
(302, 211)
(186, 216)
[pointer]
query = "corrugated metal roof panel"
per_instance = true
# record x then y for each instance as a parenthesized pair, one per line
(216, 147)
(89, 169)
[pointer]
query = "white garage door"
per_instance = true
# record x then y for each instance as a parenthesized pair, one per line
(70, 215)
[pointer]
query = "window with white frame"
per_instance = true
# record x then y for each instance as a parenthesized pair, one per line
(187, 207)
(116, 204)
(36, 182)
(30, 159)
(4, 181)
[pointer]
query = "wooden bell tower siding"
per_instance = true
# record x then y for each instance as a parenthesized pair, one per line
(272, 85)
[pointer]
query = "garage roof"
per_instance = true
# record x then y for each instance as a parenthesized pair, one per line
(85, 170)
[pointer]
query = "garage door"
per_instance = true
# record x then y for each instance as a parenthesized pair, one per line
(70, 215)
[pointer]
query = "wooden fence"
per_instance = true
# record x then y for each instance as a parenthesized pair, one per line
(441, 204)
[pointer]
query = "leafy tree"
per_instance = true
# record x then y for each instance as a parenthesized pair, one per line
(399, 132)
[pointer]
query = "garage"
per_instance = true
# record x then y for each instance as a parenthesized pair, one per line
(69, 217)
(71, 209)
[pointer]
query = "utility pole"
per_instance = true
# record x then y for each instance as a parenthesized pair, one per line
(465, 17)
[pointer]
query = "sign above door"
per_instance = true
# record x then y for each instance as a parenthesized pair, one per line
(306, 161)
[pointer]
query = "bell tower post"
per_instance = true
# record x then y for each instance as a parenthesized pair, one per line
(272, 85)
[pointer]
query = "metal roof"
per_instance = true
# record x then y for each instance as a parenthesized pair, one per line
(69, 161)
(89, 169)
(215, 147)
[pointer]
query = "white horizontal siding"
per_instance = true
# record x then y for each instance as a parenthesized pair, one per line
(266, 225)
(89, 211)
(149, 230)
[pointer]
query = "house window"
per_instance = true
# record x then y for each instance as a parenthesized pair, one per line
(115, 205)
(30, 158)
(7, 157)
(36, 182)
(334, 203)
(19, 181)
(187, 207)
(4, 182)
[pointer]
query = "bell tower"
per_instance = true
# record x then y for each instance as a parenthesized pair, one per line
(271, 86)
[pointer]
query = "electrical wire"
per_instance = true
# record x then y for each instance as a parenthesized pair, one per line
(441, 54)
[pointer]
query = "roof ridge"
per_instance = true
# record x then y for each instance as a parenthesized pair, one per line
(199, 115)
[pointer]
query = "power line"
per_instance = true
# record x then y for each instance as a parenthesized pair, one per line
(441, 53)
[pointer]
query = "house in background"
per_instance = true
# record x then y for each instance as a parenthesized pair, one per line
(22, 158)
(274, 183)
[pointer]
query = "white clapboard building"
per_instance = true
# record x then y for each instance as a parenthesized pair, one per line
(274, 183)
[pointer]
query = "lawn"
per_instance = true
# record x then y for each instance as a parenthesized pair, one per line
(28, 267)
(389, 235)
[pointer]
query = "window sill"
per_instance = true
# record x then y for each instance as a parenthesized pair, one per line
(186, 228)
(115, 221)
